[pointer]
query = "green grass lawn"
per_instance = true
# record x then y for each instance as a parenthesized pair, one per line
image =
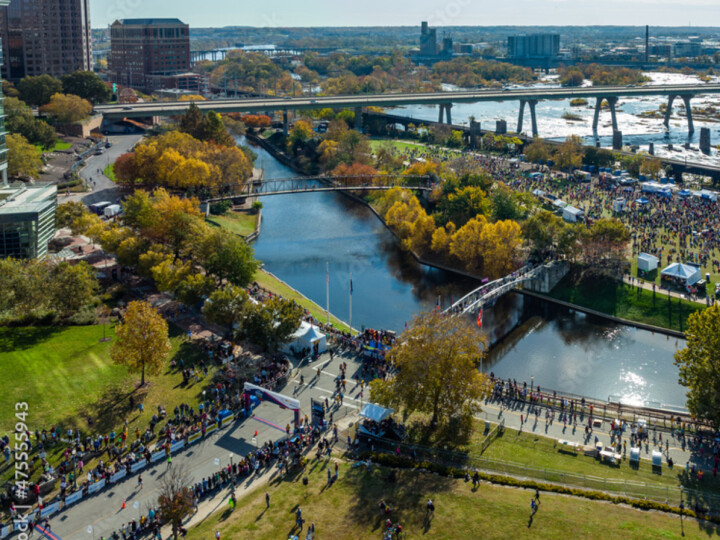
(242, 223)
(66, 376)
(348, 509)
(109, 171)
(59, 146)
(281, 288)
(405, 147)
(627, 302)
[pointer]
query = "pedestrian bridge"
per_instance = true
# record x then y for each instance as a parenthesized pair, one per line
(309, 184)
(487, 293)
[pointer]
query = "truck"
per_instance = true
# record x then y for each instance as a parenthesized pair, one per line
(99, 207)
(582, 176)
(112, 210)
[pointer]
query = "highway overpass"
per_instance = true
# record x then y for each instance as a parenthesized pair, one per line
(525, 96)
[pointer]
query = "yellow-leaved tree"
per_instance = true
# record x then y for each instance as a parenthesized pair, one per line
(437, 361)
(142, 340)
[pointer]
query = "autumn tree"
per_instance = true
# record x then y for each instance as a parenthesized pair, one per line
(542, 232)
(73, 286)
(699, 364)
(436, 361)
(569, 156)
(463, 204)
(175, 500)
(142, 340)
(355, 173)
(272, 323)
(412, 224)
(650, 166)
(205, 127)
(604, 245)
(537, 151)
(67, 109)
(226, 306)
(68, 212)
(300, 133)
(224, 255)
(23, 158)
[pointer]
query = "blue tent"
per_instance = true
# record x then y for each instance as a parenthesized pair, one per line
(643, 201)
(684, 193)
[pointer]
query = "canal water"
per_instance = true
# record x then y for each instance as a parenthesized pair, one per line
(303, 234)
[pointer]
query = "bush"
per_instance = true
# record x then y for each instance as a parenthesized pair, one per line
(69, 184)
(220, 208)
(257, 206)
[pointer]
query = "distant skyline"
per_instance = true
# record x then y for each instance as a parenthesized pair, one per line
(291, 13)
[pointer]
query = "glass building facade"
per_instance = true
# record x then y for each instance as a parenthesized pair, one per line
(27, 221)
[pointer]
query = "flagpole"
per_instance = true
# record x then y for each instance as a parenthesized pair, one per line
(327, 291)
(351, 302)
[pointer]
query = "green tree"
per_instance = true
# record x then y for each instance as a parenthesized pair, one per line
(87, 85)
(537, 152)
(73, 286)
(194, 288)
(436, 360)
(68, 212)
(227, 257)
(19, 119)
(542, 232)
(38, 90)
(505, 204)
(699, 364)
(23, 158)
(272, 323)
(142, 340)
(226, 306)
(604, 245)
(465, 203)
(568, 156)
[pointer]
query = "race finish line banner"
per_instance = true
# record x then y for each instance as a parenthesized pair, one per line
(263, 394)
(47, 534)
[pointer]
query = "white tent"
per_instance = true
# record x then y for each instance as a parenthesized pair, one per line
(572, 214)
(685, 273)
(374, 412)
(307, 336)
(647, 262)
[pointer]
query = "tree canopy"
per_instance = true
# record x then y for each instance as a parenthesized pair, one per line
(142, 340)
(39, 90)
(437, 360)
(271, 323)
(23, 158)
(87, 85)
(699, 364)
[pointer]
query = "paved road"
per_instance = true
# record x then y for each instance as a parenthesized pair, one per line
(104, 189)
(104, 512)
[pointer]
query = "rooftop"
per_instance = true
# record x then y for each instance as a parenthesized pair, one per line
(149, 22)
(26, 199)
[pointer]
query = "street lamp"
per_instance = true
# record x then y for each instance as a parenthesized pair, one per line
(232, 475)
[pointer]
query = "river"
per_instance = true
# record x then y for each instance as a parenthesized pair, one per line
(635, 129)
(302, 234)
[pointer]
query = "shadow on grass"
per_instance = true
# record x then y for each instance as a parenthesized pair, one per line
(114, 403)
(17, 339)
(406, 496)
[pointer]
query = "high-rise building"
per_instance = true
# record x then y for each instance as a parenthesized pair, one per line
(534, 46)
(147, 53)
(3, 133)
(27, 220)
(45, 36)
(428, 40)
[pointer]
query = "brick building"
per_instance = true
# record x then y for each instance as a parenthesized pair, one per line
(45, 36)
(147, 53)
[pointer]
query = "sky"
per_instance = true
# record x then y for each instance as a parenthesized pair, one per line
(274, 13)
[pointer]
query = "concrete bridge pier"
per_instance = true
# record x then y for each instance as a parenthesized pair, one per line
(688, 112)
(612, 101)
(533, 118)
(520, 116)
(445, 111)
(668, 111)
(285, 123)
(358, 118)
(596, 118)
(705, 140)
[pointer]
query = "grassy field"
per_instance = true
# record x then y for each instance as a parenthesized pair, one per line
(348, 509)
(59, 146)
(404, 147)
(242, 223)
(281, 288)
(66, 376)
(109, 171)
(627, 302)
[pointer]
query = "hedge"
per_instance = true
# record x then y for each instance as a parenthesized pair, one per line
(403, 462)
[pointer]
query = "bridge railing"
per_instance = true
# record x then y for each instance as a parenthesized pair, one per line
(470, 300)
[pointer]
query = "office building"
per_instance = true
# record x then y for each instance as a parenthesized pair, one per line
(27, 220)
(3, 133)
(45, 36)
(683, 49)
(428, 40)
(534, 46)
(147, 53)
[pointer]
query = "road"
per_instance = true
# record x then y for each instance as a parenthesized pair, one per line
(104, 511)
(142, 110)
(104, 189)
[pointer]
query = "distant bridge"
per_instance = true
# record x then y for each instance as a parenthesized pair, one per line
(487, 293)
(310, 184)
